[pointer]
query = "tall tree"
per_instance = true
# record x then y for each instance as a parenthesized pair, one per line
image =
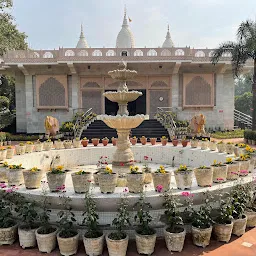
(243, 84)
(242, 50)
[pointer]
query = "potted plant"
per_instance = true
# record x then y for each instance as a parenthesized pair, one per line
(8, 226)
(232, 169)
(85, 142)
(14, 175)
(105, 141)
(135, 180)
(48, 145)
(29, 147)
(32, 178)
(175, 141)
(29, 218)
(251, 152)
(3, 172)
(204, 143)
(221, 147)
(56, 178)
(3, 153)
(153, 141)
(239, 149)
(250, 210)
(183, 176)
(224, 222)
(204, 176)
(107, 181)
(220, 172)
(164, 140)
(194, 142)
(114, 141)
(184, 142)
(244, 165)
(67, 236)
(117, 241)
(93, 239)
(143, 140)
(212, 145)
(20, 149)
(161, 177)
(9, 152)
(101, 166)
(95, 142)
(81, 181)
(38, 146)
(67, 144)
(230, 148)
(133, 140)
(145, 235)
(46, 233)
(58, 144)
(77, 143)
(147, 170)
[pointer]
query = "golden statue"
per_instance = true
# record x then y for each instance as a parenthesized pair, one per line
(51, 125)
(197, 124)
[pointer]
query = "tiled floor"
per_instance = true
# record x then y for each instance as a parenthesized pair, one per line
(243, 246)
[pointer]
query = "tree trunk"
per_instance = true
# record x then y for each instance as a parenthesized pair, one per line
(254, 98)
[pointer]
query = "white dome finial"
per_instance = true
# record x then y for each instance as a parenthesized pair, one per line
(168, 43)
(82, 43)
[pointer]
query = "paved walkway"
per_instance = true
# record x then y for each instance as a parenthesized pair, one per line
(243, 246)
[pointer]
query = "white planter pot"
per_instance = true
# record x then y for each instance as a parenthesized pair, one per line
(239, 226)
(20, 150)
(107, 182)
(81, 183)
(229, 148)
(251, 219)
(135, 182)
(15, 177)
(220, 173)
(223, 232)
(221, 147)
(32, 180)
(8, 235)
(48, 145)
(39, 147)
(201, 237)
(174, 241)
(183, 179)
(204, 176)
(194, 143)
(3, 154)
(29, 148)
(55, 180)
(46, 242)
(204, 145)
(233, 171)
(68, 246)
(145, 243)
(162, 179)
(58, 144)
(10, 153)
(67, 144)
(77, 143)
(212, 146)
(27, 238)
(3, 174)
(117, 247)
(93, 246)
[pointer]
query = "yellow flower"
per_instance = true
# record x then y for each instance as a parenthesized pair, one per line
(215, 162)
(161, 167)
(34, 169)
(162, 170)
(228, 160)
(59, 167)
(131, 167)
(136, 168)
(108, 170)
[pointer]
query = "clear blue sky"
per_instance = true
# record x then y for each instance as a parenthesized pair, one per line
(196, 23)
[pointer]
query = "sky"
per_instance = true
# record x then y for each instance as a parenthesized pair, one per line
(50, 24)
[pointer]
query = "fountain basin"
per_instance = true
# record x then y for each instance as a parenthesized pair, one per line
(123, 74)
(122, 96)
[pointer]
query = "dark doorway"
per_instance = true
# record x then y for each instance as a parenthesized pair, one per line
(134, 107)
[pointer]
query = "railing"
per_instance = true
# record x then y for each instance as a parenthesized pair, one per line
(241, 117)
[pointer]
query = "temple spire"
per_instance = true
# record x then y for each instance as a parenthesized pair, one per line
(168, 43)
(125, 21)
(82, 43)
(82, 31)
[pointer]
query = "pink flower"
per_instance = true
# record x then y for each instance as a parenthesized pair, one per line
(126, 190)
(2, 185)
(244, 171)
(89, 181)
(186, 194)
(159, 188)
(235, 173)
(145, 157)
(220, 179)
(121, 164)
(9, 190)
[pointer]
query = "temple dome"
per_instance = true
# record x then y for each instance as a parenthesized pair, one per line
(168, 43)
(125, 37)
(82, 43)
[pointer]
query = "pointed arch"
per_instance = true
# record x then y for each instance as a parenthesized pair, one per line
(82, 53)
(138, 53)
(69, 53)
(152, 52)
(179, 52)
(97, 53)
(166, 52)
(110, 53)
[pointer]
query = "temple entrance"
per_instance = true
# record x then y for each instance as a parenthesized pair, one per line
(134, 107)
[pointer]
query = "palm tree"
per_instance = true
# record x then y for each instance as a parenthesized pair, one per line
(242, 50)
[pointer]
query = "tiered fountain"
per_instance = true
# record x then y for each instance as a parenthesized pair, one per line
(122, 122)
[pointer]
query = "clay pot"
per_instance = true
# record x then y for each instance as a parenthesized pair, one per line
(68, 246)
(175, 142)
(162, 179)
(55, 180)
(174, 241)
(221, 147)
(239, 226)
(107, 182)
(8, 235)
(229, 148)
(85, 143)
(204, 145)
(201, 236)
(184, 143)
(251, 219)
(220, 173)
(81, 183)
(46, 242)
(194, 143)
(233, 171)
(223, 232)
(204, 176)
(135, 182)
(39, 147)
(117, 247)
(94, 246)
(76, 143)
(15, 177)
(20, 150)
(29, 148)
(153, 141)
(114, 141)
(164, 142)
(10, 153)
(105, 142)
(27, 238)
(3, 153)
(183, 179)
(95, 142)
(67, 144)
(32, 180)
(133, 141)
(145, 243)
(212, 145)
(58, 144)
(48, 145)
(143, 140)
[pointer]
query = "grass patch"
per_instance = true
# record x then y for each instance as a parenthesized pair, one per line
(21, 137)
(228, 135)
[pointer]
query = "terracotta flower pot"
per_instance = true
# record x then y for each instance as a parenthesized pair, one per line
(27, 238)
(20, 150)
(135, 182)
(233, 171)
(15, 177)
(67, 144)
(32, 180)
(221, 147)
(175, 142)
(251, 219)
(29, 148)
(133, 141)
(55, 180)
(204, 145)
(46, 242)
(85, 143)
(68, 246)
(201, 236)
(3, 174)
(223, 231)
(117, 247)
(48, 145)
(3, 153)
(212, 145)
(39, 147)
(93, 246)
(143, 140)
(194, 143)
(76, 143)
(8, 235)
(81, 183)
(204, 176)
(114, 141)
(220, 173)
(58, 144)
(184, 143)
(105, 142)
(164, 142)
(95, 142)
(145, 243)
(229, 148)
(162, 179)
(10, 153)
(153, 141)
(239, 226)
(174, 241)
(107, 182)
(183, 179)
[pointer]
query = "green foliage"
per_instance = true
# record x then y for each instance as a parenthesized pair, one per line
(243, 84)
(6, 217)
(228, 135)
(250, 135)
(243, 103)
(225, 210)
(21, 137)
(239, 199)
(67, 127)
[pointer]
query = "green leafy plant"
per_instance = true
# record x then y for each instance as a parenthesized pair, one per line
(225, 210)
(6, 216)
(58, 170)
